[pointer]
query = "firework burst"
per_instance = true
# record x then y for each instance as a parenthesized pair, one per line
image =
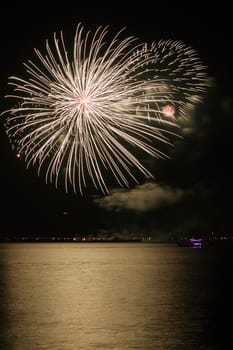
(179, 67)
(82, 116)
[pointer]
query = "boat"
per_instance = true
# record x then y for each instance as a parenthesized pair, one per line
(191, 242)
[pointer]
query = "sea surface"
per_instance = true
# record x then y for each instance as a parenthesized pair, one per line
(115, 296)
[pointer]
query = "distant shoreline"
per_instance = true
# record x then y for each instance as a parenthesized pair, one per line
(115, 241)
(71, 241)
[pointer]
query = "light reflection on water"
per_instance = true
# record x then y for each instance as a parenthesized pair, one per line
(116, 296)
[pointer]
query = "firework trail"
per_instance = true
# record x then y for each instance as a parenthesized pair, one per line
(83, 116)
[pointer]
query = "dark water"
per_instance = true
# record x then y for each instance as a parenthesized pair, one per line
(114, 297)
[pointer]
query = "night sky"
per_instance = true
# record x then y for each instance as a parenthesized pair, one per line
(192, 192)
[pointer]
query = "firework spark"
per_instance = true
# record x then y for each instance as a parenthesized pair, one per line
(82, 116)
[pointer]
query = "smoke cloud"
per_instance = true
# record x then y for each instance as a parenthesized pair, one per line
(142, 198)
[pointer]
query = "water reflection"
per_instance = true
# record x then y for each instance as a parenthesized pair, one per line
(110, 296)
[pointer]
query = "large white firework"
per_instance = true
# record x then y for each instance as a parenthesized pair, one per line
(84, 116)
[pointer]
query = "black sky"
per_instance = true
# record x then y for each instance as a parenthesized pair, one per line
(192, 191)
